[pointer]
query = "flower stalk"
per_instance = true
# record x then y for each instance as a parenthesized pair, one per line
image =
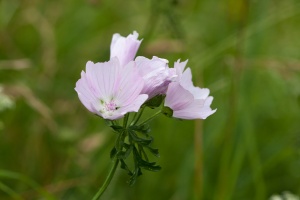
(107, 180)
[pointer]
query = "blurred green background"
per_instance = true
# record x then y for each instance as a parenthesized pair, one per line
(247, 52)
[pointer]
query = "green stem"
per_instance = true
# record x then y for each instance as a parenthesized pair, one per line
(150, 118)
(115, 161)
(125, 120)
(108, 179)
(136, 119)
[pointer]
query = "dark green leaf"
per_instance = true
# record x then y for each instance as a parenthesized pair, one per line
(153, 151)
(144, 164)
(141, 129)
(139, 140)
(125, 167)
(124, 154)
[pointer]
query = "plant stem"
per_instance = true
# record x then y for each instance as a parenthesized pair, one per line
(136, 119)
(150, 118)
(125, 120)
(107, 180)
(112, 171)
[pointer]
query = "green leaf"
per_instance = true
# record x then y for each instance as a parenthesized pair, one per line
(125, 167)
(124, 154)
(144, 164)
(142, 141)
(153, 151)
(145, 128)
(118, 129)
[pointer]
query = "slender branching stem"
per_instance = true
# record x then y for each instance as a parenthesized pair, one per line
(150, 118)
(138, 116)
(112, 171)
(107, 180)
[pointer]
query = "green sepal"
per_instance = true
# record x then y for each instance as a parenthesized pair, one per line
(155, 102)
(167, 111)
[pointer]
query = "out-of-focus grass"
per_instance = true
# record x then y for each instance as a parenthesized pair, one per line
(246, 52)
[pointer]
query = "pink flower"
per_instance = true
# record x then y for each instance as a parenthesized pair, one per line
(186, 100)
(156, 74)
(109, 90)
(124, 48)
(184, 105)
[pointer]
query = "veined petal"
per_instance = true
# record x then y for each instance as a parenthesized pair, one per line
(124, 48)
(177, 97)
(155, 73)
(131, 85)
(85, 91)
(187, 83)
(135, 105)
(179, 66)
(196, 110)
(186, 79)
(106, 75)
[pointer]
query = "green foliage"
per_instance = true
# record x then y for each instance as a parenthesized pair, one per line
(245, 52)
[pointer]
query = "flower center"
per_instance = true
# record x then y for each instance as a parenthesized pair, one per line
(110, 106)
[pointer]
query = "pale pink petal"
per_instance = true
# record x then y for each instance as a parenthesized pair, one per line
(104, 78)
(190, 111)
(179, 66)
(84, 92)
(177, 97)
(131, 84)
(149, 68)
(155, 73)
(186, 82)
(124, 48)
(196, 110)
(135, 105)
(186, 79)
(199, 93)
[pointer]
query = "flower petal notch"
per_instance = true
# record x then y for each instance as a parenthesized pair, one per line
(109, 90)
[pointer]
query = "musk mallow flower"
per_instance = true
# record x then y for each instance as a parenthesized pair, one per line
(110, 90)
(184, 105)
(156, 74)
(124, 48)
(184, 99)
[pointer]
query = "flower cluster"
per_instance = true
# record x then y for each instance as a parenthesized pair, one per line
(124, 85)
